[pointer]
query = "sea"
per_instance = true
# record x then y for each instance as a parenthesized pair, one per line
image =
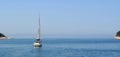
(53, 47)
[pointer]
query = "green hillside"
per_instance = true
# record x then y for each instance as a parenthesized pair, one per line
(118, 33)
(2, 35)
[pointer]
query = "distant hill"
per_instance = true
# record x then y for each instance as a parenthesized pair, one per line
(2, 36)
(118, 34)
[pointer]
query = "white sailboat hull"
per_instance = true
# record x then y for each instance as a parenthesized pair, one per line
(37, 44)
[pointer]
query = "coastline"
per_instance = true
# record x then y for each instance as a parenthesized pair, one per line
(117, 37)
(3, 38)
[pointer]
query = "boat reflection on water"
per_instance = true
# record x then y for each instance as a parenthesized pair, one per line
(37, 52)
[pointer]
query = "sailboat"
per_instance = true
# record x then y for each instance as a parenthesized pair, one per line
(38, 42)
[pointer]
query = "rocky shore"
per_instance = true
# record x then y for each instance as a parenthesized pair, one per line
(117, 35)
(2, 36)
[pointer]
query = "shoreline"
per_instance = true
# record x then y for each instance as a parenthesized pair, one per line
(117, 37)
(3, 38)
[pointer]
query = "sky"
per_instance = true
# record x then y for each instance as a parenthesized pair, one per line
(60, 18)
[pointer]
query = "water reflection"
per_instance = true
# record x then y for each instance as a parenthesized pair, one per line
(37, 52)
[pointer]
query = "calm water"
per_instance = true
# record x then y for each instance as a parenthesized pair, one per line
(61, 48)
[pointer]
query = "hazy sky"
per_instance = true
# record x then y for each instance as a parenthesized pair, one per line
(60, 18)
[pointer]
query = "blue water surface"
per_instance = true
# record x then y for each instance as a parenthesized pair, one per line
(60, 48)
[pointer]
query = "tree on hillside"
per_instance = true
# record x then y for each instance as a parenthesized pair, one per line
(2, 35)
(118, 33)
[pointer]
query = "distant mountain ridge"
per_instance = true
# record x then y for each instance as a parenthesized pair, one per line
(118, 34)
(2, 36)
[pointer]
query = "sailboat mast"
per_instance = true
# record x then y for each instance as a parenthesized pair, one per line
(38, 34)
